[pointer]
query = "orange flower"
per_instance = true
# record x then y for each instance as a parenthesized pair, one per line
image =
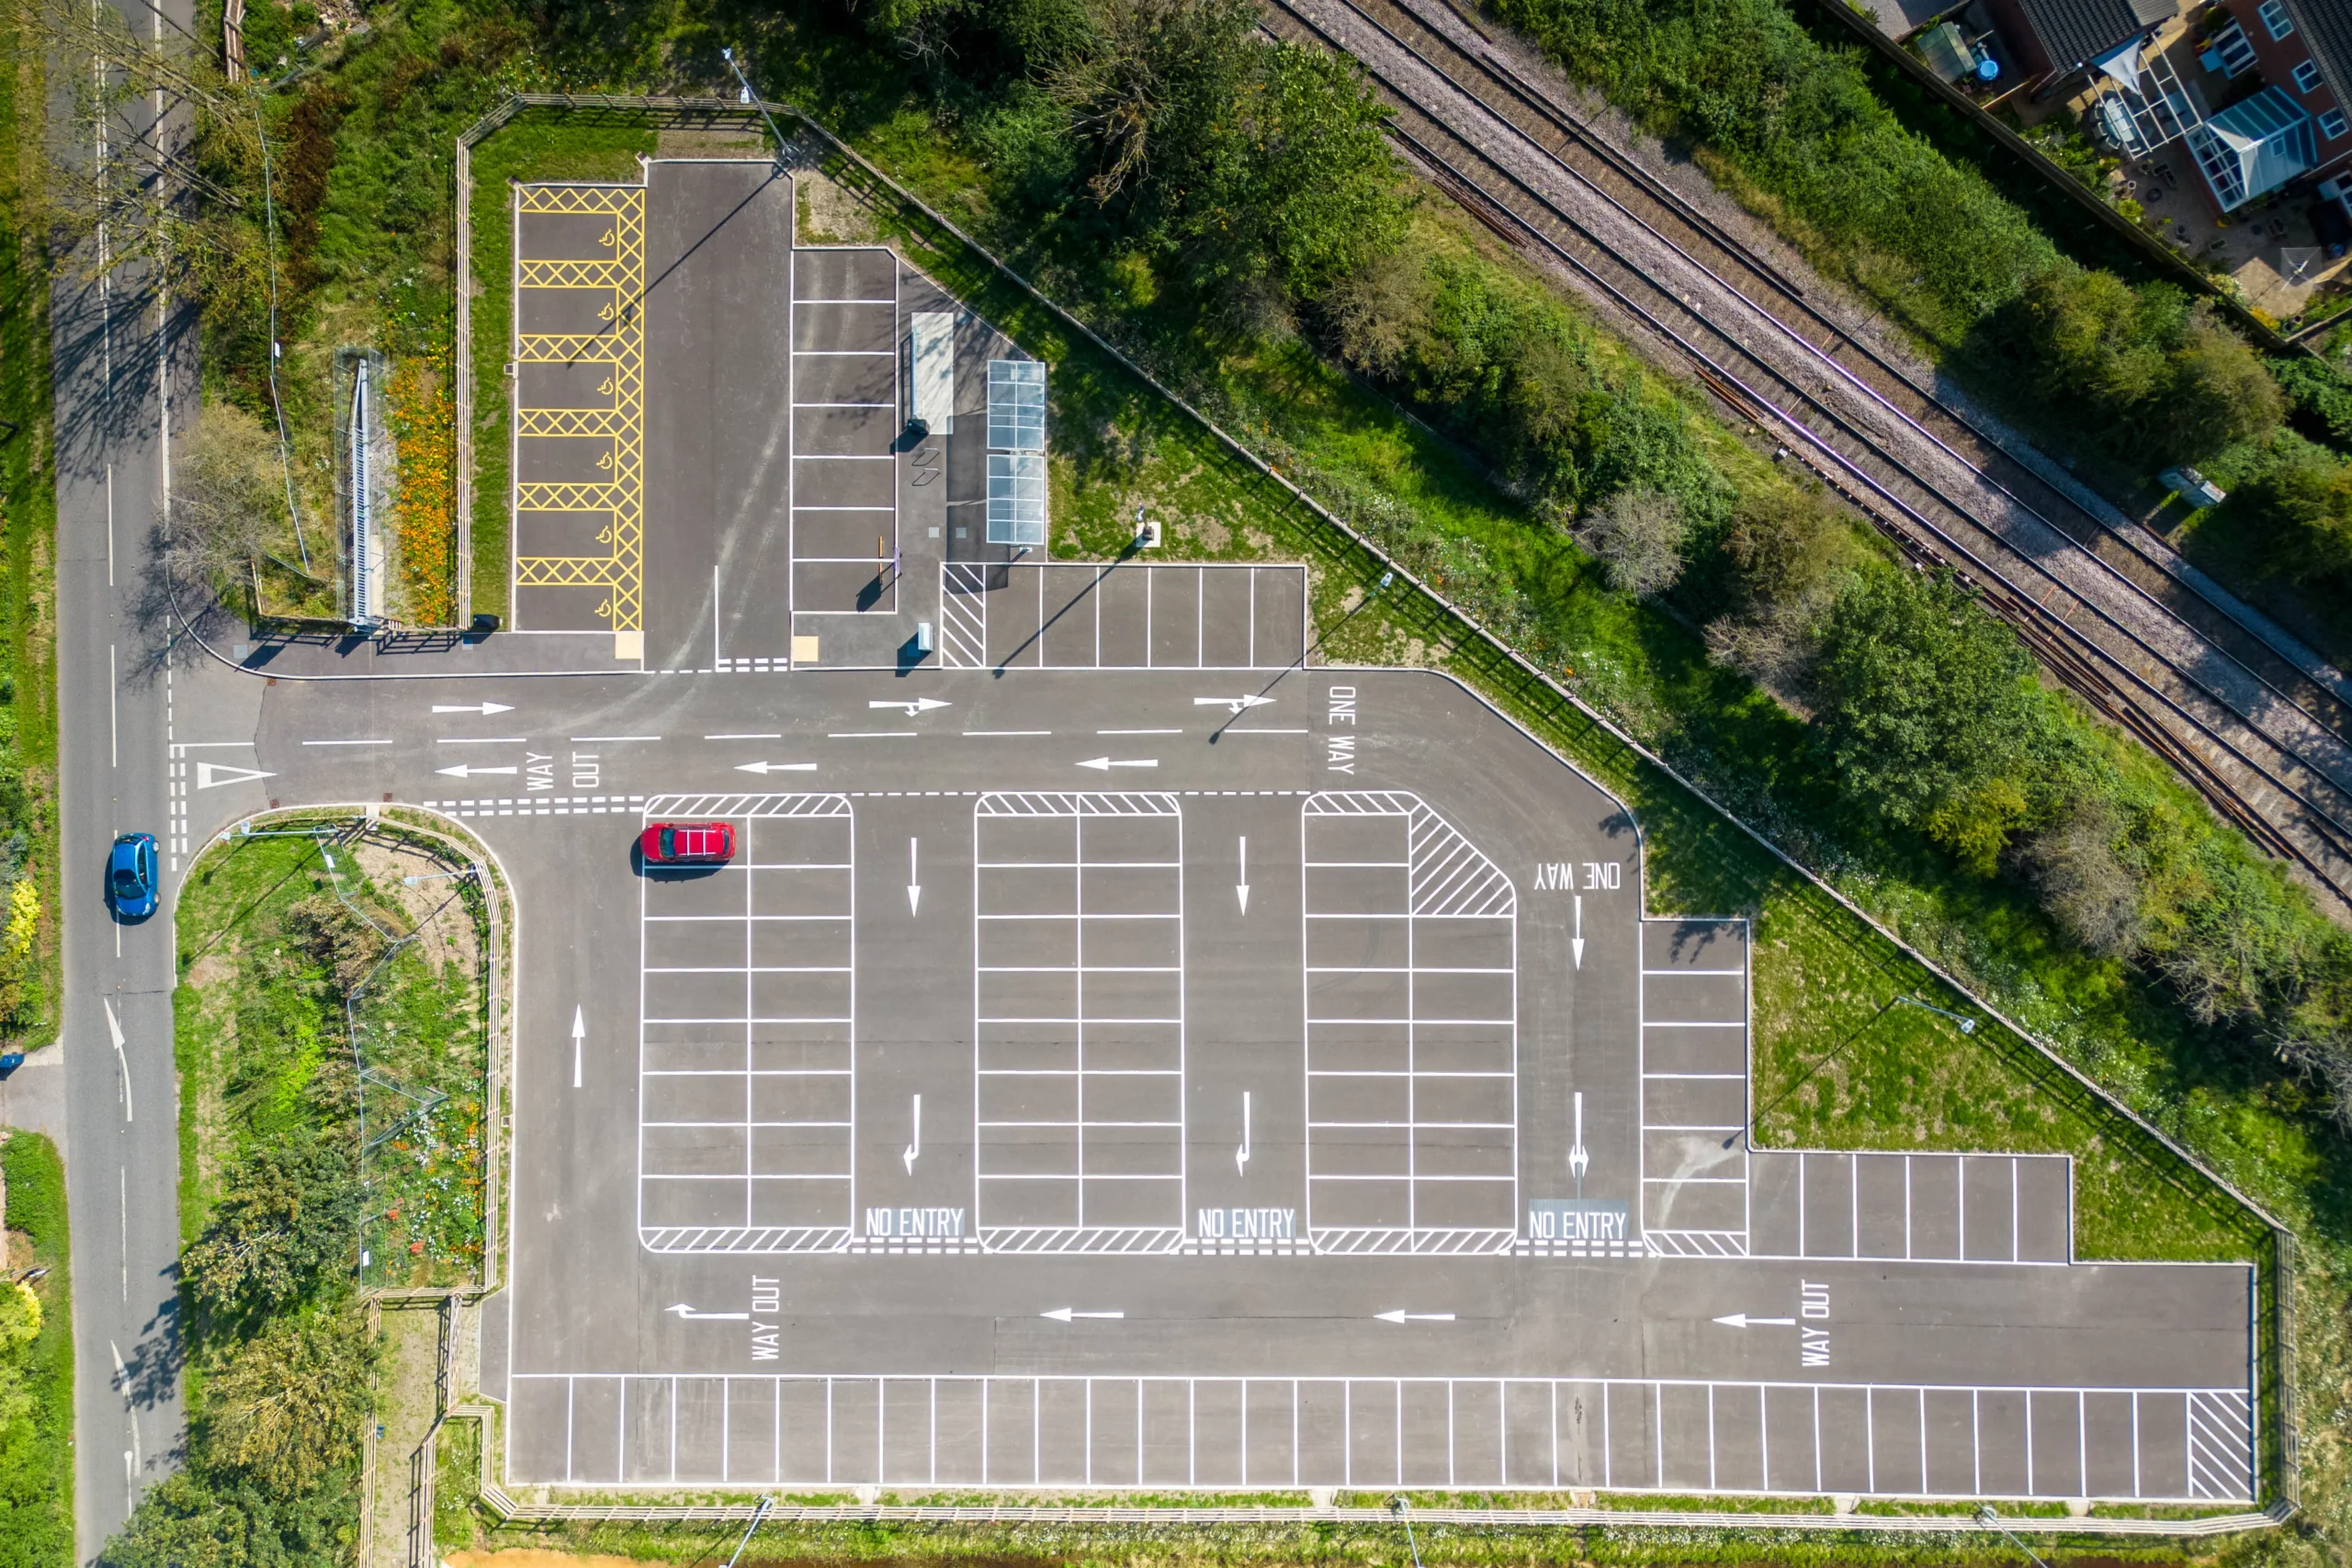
(424, 422)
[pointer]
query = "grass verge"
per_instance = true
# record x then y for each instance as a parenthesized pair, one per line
(36, 1446)
(29, 975)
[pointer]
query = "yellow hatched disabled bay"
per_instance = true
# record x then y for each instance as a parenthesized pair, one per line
(618, 348)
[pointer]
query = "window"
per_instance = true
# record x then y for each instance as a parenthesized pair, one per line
(2275, 17)
(2230, 52)
(2330, 125)
(2306, 76)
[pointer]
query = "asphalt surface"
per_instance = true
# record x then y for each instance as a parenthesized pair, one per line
(119, 348)
(1125, 1054)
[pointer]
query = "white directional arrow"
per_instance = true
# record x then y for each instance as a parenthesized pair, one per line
(919, 705)
(579, 1033)
(1242, 878)
(1105, 764)
(914, 1150)
(485, 709)
(764, 768)
(682, 1310)
(1241, 1155)
(1576, 943)
(1401, 1315)
(914, 882)
(470, 770)
(1578, 1158)
(1741, 1320)
(213, 775)
(1232, 705)
(115, 1029)
(1063, 1315)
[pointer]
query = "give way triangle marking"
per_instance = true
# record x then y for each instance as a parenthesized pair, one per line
(211, 775)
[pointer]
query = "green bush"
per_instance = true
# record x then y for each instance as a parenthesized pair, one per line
(286, 1214)
(2155, 378)
(37, 1374)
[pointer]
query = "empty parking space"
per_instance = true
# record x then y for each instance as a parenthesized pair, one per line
(1079, 1022)
(845, 419)
(1694, 1087)
(1530, 1434)
(1411, 1032)
(1044, 615)
(1821, 1204)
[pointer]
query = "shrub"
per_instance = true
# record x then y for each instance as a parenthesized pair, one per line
(1637, 535)
(1927, 702)
(286, 1214)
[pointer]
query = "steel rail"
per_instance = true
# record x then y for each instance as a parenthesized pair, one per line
(2335, 836)
(1532, 95)
(2338, 840)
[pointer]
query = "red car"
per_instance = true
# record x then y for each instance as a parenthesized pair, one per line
(687, 843)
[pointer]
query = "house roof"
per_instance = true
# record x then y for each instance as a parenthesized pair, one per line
(2073, 33)
(2326, 27)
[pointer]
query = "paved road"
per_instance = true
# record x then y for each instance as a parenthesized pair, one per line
(118, 346)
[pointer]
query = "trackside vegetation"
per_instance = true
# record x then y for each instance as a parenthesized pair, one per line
(2124, 374)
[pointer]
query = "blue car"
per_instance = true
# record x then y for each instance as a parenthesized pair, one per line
(130, 875)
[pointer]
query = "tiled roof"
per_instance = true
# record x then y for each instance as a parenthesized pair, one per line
(2326, 27)
(2075, 32)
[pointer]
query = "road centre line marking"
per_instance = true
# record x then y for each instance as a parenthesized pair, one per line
(481, 740)
(871, 735)
(1138, 732)
(977, 734)
(734, 738)
(575, 738)
(1261, 729)
(346, 742)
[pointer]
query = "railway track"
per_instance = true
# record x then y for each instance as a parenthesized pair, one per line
(2256, 725)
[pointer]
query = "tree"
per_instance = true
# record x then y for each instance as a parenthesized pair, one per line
(288, 1213)
(287, 1406)
(2301, 510)
(180, 1523)
(1926, 701)
(2143, 371)
(1637, 534)
(228, 501)
(1256, 165)
(2085, 884)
